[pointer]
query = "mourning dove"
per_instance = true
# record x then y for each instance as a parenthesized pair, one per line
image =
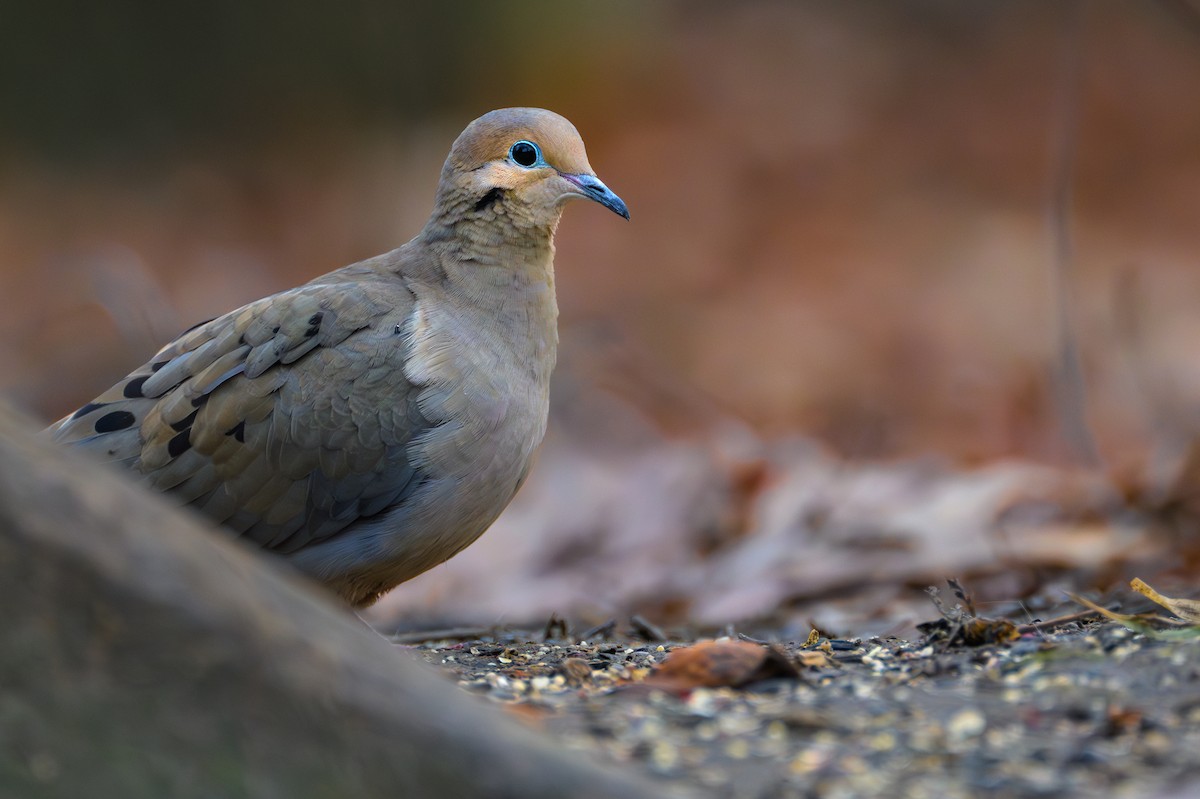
(373, 422)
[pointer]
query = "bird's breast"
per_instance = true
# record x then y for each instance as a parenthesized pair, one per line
(482, 377)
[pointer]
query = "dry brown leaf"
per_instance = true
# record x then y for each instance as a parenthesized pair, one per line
(715, 664)
(1186, 609)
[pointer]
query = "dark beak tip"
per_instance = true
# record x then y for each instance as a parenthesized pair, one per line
(615, 204)
(612, 202)
(594, 189)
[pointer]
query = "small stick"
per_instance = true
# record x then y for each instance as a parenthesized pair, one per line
(449, 634)
(604, 630)
(1038, 626)
(645, 630)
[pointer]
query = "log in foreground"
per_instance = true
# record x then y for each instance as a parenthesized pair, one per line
(145, 655)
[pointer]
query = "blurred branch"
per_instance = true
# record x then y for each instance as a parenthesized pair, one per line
(1070, 390)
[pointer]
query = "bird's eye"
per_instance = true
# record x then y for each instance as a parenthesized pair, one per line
(525, 153)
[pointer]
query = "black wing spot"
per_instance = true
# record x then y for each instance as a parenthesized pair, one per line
(154, 367)
(238, 431)
(186, 422)
(200, 400)
(314, 324)
(133, 389)
(86, 409)
(112, 422)
(491, 198)
(180, 444)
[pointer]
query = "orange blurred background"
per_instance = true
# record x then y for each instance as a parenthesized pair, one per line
(841, 229)
(839, 209)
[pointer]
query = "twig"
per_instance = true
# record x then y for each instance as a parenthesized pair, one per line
(604, 630)
(645, 630)
(1050, 624)
(555, 628)
(449, 634)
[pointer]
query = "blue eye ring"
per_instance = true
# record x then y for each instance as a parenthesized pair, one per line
(525, 154)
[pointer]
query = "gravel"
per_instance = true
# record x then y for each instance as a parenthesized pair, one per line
(1083, 710)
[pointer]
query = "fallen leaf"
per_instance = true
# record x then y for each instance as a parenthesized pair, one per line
(715, 664)
(1186, 609)
(1142, 622)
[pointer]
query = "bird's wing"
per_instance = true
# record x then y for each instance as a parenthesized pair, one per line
(285, 420)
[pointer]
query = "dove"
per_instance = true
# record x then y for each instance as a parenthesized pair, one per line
(371, 423)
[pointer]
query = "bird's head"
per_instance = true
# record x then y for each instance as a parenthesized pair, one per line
(523, 163)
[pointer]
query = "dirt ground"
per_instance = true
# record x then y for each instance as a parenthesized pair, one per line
(1081, 708)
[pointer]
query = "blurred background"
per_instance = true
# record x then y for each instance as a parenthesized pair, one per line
(836, 320)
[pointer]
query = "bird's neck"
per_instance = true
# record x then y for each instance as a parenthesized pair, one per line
(503, 271)
(492, 257)
(486, 243)
(500, 291)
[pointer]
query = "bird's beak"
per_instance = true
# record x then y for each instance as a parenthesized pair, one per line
(593, 188)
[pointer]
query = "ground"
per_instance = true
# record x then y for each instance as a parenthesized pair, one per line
(1086, 707)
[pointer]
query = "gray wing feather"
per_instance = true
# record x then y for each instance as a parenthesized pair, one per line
(286, 420)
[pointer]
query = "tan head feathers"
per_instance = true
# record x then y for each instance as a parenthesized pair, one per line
(490, 138)
(521, 164)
